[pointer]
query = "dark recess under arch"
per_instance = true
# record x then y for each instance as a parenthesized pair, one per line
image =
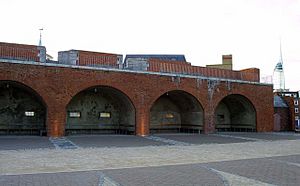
(22, 110)
(176, 111)
(235, 113)
(102, 110)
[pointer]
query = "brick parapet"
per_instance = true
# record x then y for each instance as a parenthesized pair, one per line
(20, 51)
(156, 65)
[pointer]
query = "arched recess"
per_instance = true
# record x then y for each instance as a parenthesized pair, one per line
(100, 110)
(235, 113)
(176, 111)
(22, 110)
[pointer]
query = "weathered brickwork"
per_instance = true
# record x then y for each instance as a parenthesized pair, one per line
(285, 123)
(94, 58)
(20, 51)
(289, 124)
(156, 65)
(58, 85)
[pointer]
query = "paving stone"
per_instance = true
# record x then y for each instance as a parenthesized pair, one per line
(200, 138)
(167, 141)
(166, 175)
(112, 141)
(24, 142)
(263, 169)
(270, 136)
(90, 178)
(252, 163)
(288, 159)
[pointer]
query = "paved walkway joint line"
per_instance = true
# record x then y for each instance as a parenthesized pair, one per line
(286, 162)
(224, 179)
(107, 181)
(233, 179)
(63, 143)
(286, 134)
(167, 141)
(239, 137)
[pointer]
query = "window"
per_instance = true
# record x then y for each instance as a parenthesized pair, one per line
(74, 114)
(169, 116)
(29, 113)
(105, 115)
(295, 102)
(296, 110)
(296, 117)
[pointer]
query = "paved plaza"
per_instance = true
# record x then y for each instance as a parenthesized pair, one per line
(161, 159)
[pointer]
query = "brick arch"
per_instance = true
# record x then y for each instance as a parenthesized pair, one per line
(28, 88)
(218, 99)
(78, 89)
(119, 89)
(40, 117)
(185, 118)
(250, 103)
(117, 94)
(158, 95)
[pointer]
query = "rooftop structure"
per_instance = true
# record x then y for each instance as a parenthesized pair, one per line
(88, 58)
(141, 61)
(226, 63)
(22, 52)
(164, 57)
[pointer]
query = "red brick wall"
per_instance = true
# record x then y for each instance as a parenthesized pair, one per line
(285, 118)
(290, 125)
(94, 58)
(250, 74)
(156, 65)
(57, 86)
(19, 51)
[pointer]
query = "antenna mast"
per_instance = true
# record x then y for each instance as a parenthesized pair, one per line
(40, 42)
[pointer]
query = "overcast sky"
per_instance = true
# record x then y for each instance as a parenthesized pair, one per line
(250, 30)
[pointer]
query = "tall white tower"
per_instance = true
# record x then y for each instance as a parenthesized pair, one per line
(278, 75)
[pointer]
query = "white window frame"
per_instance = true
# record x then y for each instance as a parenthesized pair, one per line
(74, 114)
(29, 113)
(105, 115)
(296, 110)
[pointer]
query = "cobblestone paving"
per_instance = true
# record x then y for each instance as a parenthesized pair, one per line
(24, 142)
(261, 171)
(267, 170)
(91, 178)
(272, 136)
(238, 137)
(288, 159)
(201, 139)
(112, 141)
(167, 141)
(266, 161)
(166, 175)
